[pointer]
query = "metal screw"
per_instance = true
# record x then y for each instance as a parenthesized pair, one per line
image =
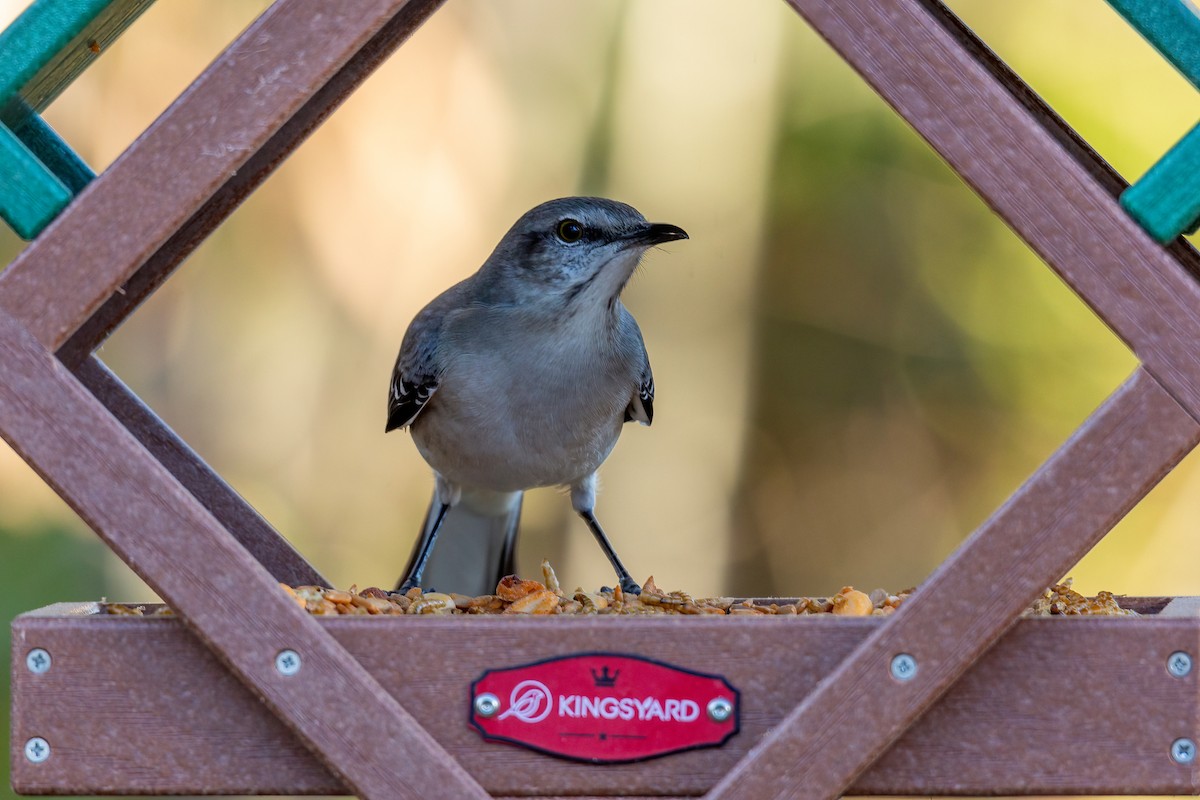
(904, 667)
(287, 662)
(1183, 751)
(719, 709)
(38, 661)
(1179, 664)
(486, 704)
(37, 750)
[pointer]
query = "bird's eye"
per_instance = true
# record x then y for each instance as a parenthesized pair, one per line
(570, 231)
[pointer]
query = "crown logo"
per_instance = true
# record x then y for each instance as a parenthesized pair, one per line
(605, 678)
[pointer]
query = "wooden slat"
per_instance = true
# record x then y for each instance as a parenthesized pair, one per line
(261, 97)
(41, 172)
(1068, 505)
(1059, 706)
(278, 556)
(1036, 174)
(53, 152)
(1166, 200)
(53, 326)
(31, 194)
(231, 509)
(1172, 27)
(205, 219)
(52, 41)
(228, 599)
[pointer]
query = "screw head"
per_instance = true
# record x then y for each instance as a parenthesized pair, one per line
(719, 709)
(486, 704)
(287, 662)
(1179, 664)
(904, 667)
(37, 750)
(38, 661)
(1183, 751)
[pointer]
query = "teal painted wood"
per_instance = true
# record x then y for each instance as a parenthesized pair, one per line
(41, 52)
(52, 41)
(31, 195)
(1166, 201)
(55, 154)
(1171, 26)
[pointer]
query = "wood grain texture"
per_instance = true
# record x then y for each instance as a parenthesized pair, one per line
(254, 533)
(229, 600)
(240, 118)
(1059, 706)
(1032, 170)
(1067, 506)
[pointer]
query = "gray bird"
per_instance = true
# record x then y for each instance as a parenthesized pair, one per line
(522, 376)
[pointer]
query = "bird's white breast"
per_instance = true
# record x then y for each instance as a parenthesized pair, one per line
(525, 402)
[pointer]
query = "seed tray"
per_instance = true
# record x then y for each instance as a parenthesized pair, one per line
(136, 705)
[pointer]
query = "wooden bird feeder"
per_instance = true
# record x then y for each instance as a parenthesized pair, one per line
(243, 692)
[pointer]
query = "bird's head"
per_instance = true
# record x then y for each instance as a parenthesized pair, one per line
(575, 252)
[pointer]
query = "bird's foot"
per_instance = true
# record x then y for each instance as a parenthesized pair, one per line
(630, 586)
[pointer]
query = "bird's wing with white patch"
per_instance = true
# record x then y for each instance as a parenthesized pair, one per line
(415, 376)
(641, 406)
(407, 398)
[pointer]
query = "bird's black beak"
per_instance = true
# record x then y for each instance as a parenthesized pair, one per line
(656, 233)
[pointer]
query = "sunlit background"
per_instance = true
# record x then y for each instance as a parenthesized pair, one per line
(856, 362)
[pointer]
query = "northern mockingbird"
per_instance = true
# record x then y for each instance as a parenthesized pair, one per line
(521, 376)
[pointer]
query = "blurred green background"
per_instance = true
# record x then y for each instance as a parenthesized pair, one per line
(856, 362)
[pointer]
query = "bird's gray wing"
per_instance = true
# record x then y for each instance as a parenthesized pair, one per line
(407, 397)
(415, 376)
(641, 405)
(641, 402)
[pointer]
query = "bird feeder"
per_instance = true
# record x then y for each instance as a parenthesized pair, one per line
(243, 692)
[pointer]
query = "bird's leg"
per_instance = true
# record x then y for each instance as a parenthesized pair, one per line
(508, 553)
(628, 584)
(416, 566)
(583, 500)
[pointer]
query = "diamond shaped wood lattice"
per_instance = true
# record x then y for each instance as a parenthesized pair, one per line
(192, 540)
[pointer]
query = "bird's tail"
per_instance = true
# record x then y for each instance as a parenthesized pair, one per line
(476, 545)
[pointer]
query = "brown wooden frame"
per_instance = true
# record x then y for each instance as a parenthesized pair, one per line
(216, 561)
(1011, 725)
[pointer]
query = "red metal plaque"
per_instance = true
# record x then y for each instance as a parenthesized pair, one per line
(604, 707)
